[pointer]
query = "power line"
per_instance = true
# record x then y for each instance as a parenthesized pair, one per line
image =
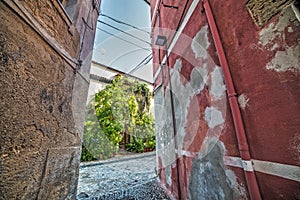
(122, 39)
(123, 31)
(149, 57)
(121, 22)
(141, 65)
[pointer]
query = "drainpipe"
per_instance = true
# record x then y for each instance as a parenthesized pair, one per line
(234, 107)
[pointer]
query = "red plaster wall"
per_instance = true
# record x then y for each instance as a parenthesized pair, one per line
(271, 116)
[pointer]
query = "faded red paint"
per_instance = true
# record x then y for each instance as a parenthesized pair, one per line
(193, 142)
(269, 91)
(274, 187)
(271, 116)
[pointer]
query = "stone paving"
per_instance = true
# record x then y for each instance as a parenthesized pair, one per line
(130, 177)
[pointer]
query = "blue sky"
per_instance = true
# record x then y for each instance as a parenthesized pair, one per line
(113, 52)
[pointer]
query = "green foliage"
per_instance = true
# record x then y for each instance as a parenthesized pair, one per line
(86, 155)
(150, 143)
(123, 106)
(136, 145)
(96, 145)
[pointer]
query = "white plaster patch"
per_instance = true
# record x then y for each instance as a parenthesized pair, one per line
(243, 101)
(200, 43)
(267, 34)
(275, 46)
(291, 172)
(213, 117)
(178, 65)
(210, 178)
(218, 86)
(276, 31)
(168, 174)
(286, 60)
(184, 94)
(199, 78)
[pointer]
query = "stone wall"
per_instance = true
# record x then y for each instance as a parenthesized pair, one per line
(197, 148)
(43, 92)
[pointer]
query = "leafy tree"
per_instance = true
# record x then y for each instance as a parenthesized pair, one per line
(96, 145)
(124, 107)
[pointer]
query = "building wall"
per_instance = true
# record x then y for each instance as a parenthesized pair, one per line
(197, 148)
(43, 95)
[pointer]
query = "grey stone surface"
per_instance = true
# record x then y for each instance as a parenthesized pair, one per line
(209, 177)
(127, 177)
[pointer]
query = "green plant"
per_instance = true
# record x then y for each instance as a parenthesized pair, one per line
(150, 143)
(86, 155)
(123, 107)
(136, 145)
(95, 144)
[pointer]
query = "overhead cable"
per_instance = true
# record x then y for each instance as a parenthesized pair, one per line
(123, 32)
(121, 22)
(141, 63)
(123, 39)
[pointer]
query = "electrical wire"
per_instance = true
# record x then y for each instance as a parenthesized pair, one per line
(122, 39)
(149, 57)
(123, 32)
(121, 22)
(139, 66)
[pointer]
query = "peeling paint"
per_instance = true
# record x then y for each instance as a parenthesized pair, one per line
(273, 38)
(275, 31)
(267, 34)
(243, 101)
(210, 179)
(217, 86)
(286, 60)
(200, 43)
(213, 117)
(184, 94)
(199, 78)
(168, 173)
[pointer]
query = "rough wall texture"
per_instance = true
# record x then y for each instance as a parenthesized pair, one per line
(39, 120)
(197, 147)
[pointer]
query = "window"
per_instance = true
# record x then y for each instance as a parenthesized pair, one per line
(69, 6)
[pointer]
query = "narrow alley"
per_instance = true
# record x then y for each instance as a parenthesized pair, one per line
(212, 86)
(130, 177)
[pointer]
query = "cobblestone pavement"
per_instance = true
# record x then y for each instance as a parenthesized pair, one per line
(124, 178)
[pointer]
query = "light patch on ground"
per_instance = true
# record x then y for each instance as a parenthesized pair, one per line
(243, 101)
(286, 60)
(213, 117)
(200, 43)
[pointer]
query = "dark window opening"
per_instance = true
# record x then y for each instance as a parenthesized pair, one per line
(69, 6)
